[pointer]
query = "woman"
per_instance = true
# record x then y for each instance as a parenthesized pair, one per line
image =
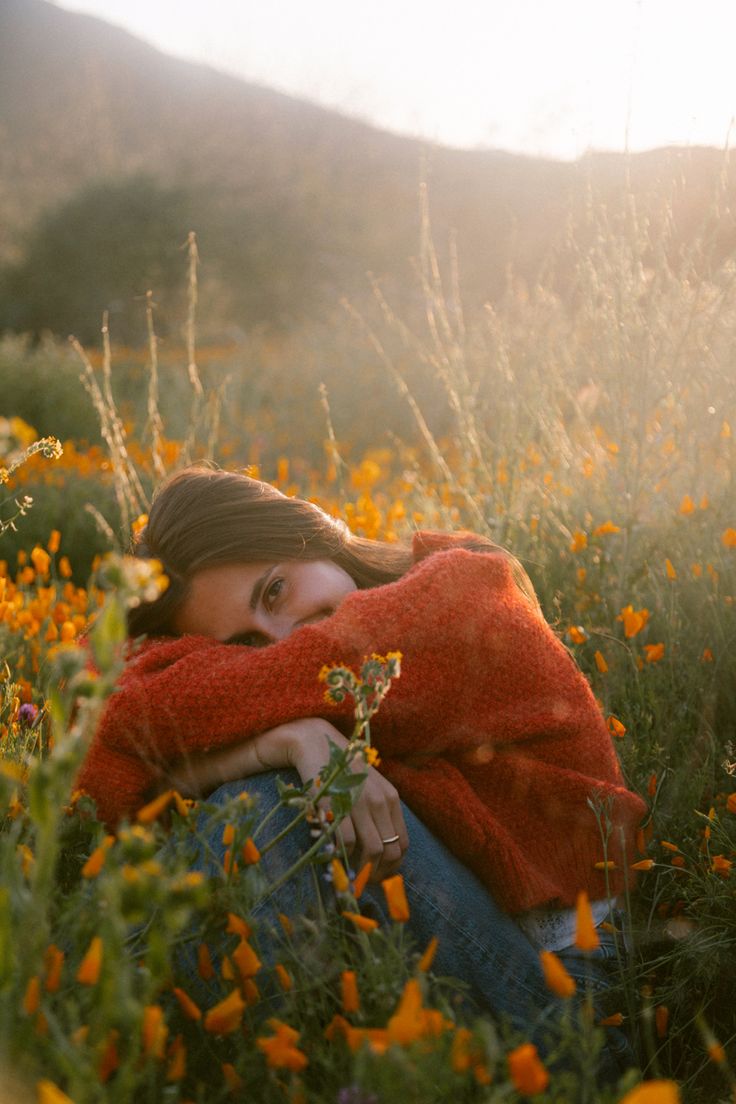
(491, 736)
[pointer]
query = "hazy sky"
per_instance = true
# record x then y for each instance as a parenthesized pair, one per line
(552, 77)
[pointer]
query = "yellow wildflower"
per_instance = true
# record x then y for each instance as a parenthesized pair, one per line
(246, 959)
(633, 620)
(89, 968)
(407, 1023)
(339, 877)
(556, 976)
(616, 728)
(237, 926)
(49, 1093)
(579, 541)
(177, 1066)
(280, 1048)
(53, 961)
(32, 996)
(527, 1073)
(350, 997)
(27, 858)
(425, 962)
(364, 923)
(155, 808)
(95, 862)
(225, 1017)
(250, 852)
(371, 756)
(67, 632)
(716, 1053)
(361, 879)
(614, 1020)
(285, 979)
(398, 906)
(187, 1005)
(461, 1055)
(41, 560)
(606, 528)
(110, 1059)
(586, 937)
(154, 1031)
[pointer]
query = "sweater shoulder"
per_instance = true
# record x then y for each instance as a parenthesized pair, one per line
(427, 542)
(445, 555)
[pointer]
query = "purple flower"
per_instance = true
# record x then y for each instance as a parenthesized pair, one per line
(353, 1094)
(27, 714)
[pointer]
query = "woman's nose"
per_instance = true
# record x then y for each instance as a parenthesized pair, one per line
(280, 627)
(285, 624)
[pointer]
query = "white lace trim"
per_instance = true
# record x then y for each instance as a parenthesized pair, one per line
(554, 929)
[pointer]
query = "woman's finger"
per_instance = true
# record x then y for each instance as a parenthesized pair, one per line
(373, 826)
(398, 823)
(369, 844)
(393, 833)
(391, 851)
(381, 836)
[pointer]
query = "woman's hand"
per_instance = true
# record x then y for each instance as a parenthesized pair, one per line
(375, 816)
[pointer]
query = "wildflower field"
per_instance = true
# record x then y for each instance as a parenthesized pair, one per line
(592, 433)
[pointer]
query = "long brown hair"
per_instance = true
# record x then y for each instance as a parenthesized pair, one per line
(204, 517)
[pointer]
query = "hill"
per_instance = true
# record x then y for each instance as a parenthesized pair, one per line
(292, 202)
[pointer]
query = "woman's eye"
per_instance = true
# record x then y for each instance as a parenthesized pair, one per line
(273, 591)
(251, 640)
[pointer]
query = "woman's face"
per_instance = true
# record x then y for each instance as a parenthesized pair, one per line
(260, 603)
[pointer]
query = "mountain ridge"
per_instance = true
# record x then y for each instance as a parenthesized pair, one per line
(82, 100)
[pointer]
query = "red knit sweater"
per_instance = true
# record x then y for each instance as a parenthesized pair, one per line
(491, 735)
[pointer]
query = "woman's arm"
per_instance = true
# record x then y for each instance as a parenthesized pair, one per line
(480, 671)
(305, 746)
(198, 774)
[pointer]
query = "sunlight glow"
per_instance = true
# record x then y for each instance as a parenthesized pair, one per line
(537, 78)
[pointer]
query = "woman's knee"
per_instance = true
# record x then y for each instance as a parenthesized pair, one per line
(260, 797)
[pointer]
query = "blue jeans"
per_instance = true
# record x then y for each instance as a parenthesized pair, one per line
(478, 943)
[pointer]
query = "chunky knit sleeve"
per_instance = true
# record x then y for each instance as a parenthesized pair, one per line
(480, 668)
(194, 694)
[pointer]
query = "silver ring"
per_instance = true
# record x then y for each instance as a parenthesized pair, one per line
(393, 839)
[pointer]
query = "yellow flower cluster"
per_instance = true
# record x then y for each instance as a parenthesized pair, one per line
(41, 609)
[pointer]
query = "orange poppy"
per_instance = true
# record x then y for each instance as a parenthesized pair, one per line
(527, 1073)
